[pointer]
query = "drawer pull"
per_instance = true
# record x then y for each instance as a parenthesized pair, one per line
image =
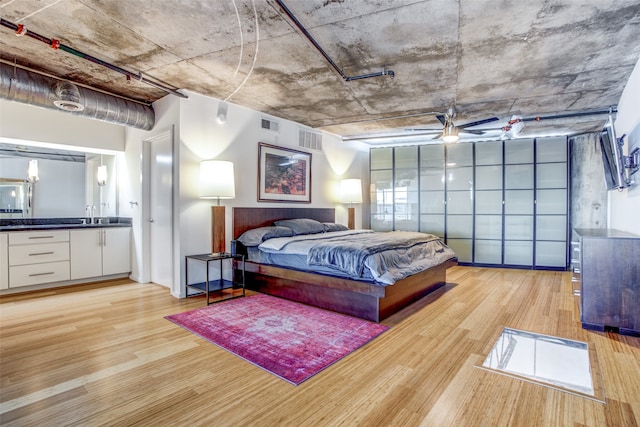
(42, 253)
(40, 237)
(40, 274)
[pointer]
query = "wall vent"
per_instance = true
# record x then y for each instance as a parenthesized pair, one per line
(310, 140)
(270, 125)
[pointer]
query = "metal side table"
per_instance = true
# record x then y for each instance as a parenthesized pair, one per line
(220, 284)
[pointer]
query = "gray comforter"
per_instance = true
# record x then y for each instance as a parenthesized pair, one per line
(387, 256)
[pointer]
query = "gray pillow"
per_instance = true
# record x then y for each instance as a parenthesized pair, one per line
(332, 226)
(256, 236)
(302, 225)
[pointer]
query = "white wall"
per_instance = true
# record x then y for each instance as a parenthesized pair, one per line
(202, 137)
(625, 205)
(130, 176)
(198, 136)
(36, 124)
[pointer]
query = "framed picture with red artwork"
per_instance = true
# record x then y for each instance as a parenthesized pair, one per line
(284, 174)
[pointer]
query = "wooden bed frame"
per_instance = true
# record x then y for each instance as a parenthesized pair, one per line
(351, 297)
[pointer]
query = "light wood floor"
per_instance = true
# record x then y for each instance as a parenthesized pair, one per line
(104, 355)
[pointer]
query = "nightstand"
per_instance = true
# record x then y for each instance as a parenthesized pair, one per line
(220, 284)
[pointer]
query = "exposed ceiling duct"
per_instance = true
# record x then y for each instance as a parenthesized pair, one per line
(21, 30)
(18, 84)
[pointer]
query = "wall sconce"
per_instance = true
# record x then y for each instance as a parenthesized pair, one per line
(216, 182)
(102, 175)
(351, 192)
(32, 171)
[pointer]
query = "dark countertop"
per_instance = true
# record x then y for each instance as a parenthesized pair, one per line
(607, 233)
(59, 224)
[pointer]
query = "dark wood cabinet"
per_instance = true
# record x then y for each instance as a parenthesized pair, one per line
(608, 262)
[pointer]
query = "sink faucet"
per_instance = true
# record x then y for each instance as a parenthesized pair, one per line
(90, 211)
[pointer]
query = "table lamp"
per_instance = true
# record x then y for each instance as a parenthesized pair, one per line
(351, 192)
(216, 182)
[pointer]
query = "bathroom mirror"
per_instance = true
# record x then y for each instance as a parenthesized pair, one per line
(14, 201)
(67, 182)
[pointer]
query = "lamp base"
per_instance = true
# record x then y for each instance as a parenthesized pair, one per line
(217, 230)
(352, 218)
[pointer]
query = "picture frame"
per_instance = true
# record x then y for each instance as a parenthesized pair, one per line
(284, 174)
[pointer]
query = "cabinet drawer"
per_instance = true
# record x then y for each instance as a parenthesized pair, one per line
(31, 237)
(25, 275)
(35, 254)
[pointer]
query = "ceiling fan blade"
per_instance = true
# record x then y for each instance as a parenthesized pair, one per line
(438, 136)
(422, 130)
(442, 118)
(475, 132)
(479, 122)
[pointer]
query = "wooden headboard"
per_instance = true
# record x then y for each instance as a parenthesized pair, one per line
(247, 218)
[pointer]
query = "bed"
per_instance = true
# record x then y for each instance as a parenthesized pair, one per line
(363, 298)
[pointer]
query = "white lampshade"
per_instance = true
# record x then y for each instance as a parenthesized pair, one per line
(351, 191)
(32, 171)
(101, 176)
(216, 180)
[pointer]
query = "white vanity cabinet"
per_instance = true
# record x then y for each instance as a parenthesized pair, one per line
(100, 252)
(37, 257)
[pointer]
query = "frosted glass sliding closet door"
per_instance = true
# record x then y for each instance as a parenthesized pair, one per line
(432, 194)
(519, 202)
(502, 203)
(459, 187)
(488, 203)
(551, 202)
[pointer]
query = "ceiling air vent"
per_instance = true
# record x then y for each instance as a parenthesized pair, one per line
(311, 140)
(270, 125)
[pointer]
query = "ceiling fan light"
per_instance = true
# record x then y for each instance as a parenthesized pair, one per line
(450, 138)
(450, 133)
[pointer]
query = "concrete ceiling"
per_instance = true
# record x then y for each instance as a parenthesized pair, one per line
(484, 57)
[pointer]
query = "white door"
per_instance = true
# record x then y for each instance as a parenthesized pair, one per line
(159, 197)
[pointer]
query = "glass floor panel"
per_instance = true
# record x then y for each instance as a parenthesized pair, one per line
(562, 364)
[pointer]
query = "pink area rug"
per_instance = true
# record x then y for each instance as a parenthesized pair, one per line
(288, 339)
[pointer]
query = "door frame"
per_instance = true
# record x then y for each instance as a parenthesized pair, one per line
(146, 207)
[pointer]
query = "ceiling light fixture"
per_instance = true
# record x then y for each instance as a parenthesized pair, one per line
(221, 117)
(450, 133)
